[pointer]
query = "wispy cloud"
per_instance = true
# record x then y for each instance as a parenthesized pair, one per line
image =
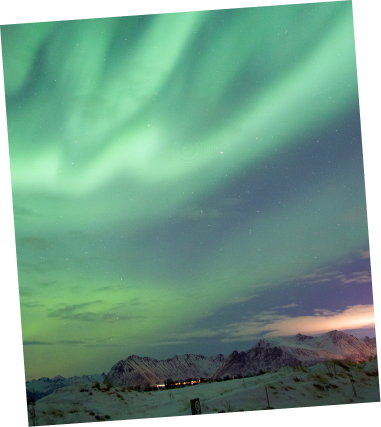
(353, 317)
(321, 276)
(358, 316)
(36, 343)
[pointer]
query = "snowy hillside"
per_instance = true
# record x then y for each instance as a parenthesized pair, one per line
(326, 383)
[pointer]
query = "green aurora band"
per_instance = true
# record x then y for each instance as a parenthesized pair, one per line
(124, 134)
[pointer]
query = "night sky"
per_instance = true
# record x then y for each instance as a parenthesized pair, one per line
(185, 183)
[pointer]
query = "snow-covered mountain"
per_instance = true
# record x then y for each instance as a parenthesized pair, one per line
(262, 357)
(267, 355)
(37, 389)
(332, 345)
(345, 345)
(273, 354)
(143, 371)
(370, 341)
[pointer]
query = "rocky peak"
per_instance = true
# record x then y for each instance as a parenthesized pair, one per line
(262, 343)
(301, 337)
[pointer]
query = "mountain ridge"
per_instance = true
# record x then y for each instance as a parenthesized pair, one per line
(271, 355)
(266, 355)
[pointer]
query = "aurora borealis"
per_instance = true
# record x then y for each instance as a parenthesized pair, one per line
(185, 182)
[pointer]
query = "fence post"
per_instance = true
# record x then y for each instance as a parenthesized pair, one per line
(268, 403)
(196, 406)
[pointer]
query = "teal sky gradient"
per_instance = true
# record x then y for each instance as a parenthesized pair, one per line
(177, 178)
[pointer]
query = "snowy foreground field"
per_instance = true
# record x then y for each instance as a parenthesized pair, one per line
(321, 384)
